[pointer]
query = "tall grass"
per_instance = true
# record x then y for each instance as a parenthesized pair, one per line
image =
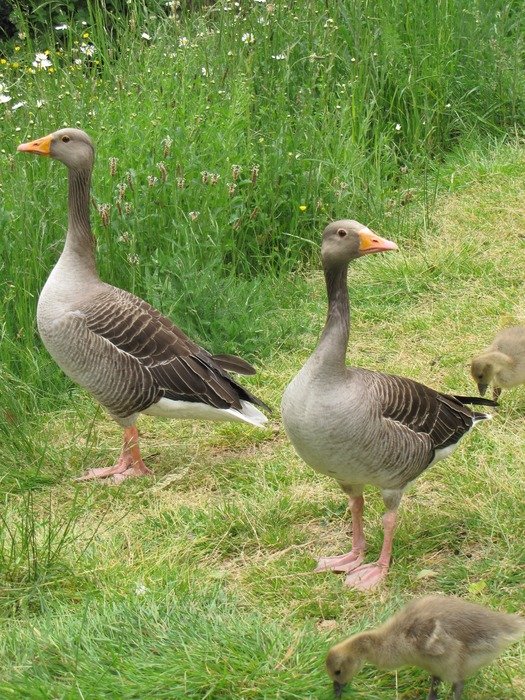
(330, 111)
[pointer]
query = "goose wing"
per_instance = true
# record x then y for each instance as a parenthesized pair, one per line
(444, 418)
(181, 369)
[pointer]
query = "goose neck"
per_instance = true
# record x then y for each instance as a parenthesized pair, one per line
(334, 338)
(80, 242)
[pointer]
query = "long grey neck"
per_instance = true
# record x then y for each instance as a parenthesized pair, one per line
(80, 242)
(334, 338)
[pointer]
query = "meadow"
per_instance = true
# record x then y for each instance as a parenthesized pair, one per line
(227, 137)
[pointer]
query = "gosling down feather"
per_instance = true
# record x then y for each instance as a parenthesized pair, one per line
(446, 636)
(362, 427)
(502, 364)
(130, 357)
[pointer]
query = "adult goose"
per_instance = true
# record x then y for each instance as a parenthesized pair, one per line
(130, 357)
(362, 427)
(502, 364)
(446, 636)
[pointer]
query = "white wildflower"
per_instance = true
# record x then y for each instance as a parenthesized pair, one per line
(146, 36)
(18, 105)
(247, 38)
(194, 215)
(398, 127)
(61, 27)
(279, 57)
(183, 41)
(88, 49)
(40, 104)
(41, 61)
(204, 71)
(4, 98)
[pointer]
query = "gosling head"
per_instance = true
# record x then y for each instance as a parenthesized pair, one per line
(72, 147)
(346, 239)
(482, 371)
(344, 660)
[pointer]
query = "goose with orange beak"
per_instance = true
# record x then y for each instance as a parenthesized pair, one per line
(361, 427)
(126, 353)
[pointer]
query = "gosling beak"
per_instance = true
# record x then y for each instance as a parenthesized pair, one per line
(41, 146)
(372, 243)
(482, 388)
(338, 689)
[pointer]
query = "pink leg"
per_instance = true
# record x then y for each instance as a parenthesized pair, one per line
(350, 561)
(370, 575)
(129, 463)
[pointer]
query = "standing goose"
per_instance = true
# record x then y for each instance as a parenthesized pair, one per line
(502, 364)
(362, 427)
(130, 357)
(447, 636)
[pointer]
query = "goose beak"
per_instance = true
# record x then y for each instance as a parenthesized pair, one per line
(338, 689)
(41, 146)
(482, 388)
(372, 243)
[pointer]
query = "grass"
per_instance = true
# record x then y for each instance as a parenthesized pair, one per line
(198, 582)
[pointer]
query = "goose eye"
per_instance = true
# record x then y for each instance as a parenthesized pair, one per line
(341, 232)
(65, 139)
(338, 672)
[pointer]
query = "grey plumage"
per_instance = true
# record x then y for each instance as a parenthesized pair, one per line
(126, 353)
(362, 427)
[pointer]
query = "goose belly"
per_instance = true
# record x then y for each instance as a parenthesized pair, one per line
(113, 378)
(168, 408)
(329, 436)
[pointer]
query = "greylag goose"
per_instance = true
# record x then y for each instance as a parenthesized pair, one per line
(446, 636)
(130, 357)
(362, 427)
(502, 363)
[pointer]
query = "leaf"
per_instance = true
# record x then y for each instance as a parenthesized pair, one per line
(427, 573)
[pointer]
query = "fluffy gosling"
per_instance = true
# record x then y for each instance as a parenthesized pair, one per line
(502, 364)
(448, 637)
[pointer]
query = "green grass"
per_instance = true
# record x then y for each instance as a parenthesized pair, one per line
(353, 118)
(198, 582)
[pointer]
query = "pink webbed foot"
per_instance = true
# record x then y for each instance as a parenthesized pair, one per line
(129, 463)
(366, 577)
(135, 470)
(342, 564)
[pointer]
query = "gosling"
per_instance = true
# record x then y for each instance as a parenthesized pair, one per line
(446, 636)
(502, 363)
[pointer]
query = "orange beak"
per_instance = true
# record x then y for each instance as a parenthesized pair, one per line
(41, 146)
(372, 243)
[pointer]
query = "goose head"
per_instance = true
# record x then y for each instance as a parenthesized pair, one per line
(72, 147)
(345, 240)
(343, 662)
